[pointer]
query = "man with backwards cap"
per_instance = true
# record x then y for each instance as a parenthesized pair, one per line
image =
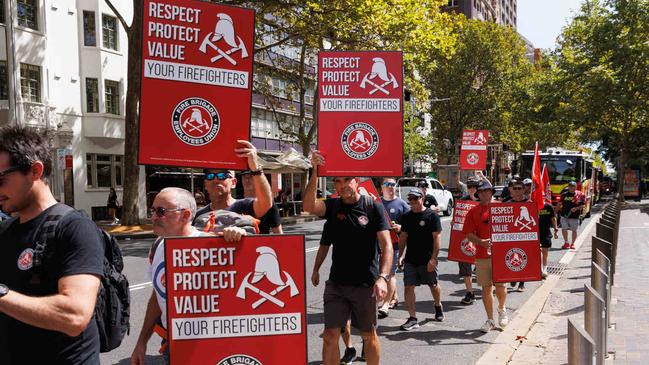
(419, 245)
(429, 200)
(570, 206)
(477, 230)
(357, 280)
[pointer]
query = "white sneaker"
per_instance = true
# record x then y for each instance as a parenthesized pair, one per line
(544, 274)
(488, 326)
(503, 319)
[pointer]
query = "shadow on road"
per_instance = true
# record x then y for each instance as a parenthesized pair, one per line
(436, 336)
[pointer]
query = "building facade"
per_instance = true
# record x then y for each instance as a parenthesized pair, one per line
(502, 12)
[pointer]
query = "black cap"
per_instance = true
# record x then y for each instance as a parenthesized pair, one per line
(415, 192)
(422, 184)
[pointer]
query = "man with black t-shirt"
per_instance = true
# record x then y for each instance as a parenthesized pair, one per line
(46, 312)
(269, 222)
(465, 268)
(219, 185)
(429, 200)
(517, 191)
(419, 245)
(357, 279)
(547, 219)
(570, 206)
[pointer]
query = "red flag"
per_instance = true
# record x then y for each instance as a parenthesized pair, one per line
(545, 182)
(537, 189)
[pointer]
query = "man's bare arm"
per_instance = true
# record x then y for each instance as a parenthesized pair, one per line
(310, 203)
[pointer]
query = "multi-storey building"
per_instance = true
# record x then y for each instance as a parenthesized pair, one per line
(498, 11)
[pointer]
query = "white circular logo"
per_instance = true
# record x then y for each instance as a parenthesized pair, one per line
(195, 121)
(422, 223)
(239, 359)
(472, 158)
(467, 247)
(359, 140)
(26, 259)
(516, 259)
(392, 210)
(363, 220)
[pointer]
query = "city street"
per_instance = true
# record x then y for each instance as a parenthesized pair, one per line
(456, 338)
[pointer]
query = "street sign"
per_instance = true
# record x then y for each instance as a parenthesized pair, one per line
(360, 113)
(236, 303)
(473, 153)
(196, 91)
(460, 249)
(515, 250)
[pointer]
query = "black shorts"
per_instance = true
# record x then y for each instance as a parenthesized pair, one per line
(415, 275)
(344, 301)
(546, 243)
(465, 269)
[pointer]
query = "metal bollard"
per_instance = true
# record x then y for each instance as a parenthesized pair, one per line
(602, 245)
(608, 221)
(580, 345)
(602, 261)
(599, 282)
(604, 231)
(594, 321)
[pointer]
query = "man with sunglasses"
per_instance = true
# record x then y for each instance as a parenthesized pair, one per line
(419, 244)
(517, 195)
(171, 215)
(46, 310)
(357, 279)
(219, 185)
(395, 207)
(429, 200)
(269, 222)
(478, 230)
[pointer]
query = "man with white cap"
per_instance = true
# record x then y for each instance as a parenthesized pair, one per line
(477, 229)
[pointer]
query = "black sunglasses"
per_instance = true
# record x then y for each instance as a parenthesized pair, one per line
(217, 175)
(412, 198)
(517, 188)
(160, 211)
(389, 184)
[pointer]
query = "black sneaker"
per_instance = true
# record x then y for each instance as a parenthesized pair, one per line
(469, 298)
(512, 284)
(410, 324)
(439, 313)
(349, 356)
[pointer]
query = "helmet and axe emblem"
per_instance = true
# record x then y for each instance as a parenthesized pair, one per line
(480, 139)
(267, 266)
(379, 71)
(224, 33)
(524, 219)
(195, 122)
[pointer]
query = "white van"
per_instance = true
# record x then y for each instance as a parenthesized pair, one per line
(435, 188)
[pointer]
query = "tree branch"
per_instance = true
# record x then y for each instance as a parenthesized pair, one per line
(119, 16)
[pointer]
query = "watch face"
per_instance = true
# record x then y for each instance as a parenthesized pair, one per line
(3, 290)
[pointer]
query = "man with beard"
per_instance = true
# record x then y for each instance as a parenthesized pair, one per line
(356, 280)
(46, 310)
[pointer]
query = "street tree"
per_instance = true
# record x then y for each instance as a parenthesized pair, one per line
(603, 61)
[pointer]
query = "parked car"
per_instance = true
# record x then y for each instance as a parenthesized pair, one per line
(444, 197)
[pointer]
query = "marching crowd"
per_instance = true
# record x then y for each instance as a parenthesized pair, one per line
(48, 292)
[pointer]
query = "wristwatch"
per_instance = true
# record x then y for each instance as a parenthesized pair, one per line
(384, 277)
(3, 290)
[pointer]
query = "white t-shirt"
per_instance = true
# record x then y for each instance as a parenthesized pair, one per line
(156, 271)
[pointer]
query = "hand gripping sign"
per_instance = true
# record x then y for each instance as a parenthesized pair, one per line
(473, 154)
(461, 249)
(360, 116)
(232, 303)
(515, 250)
(196, 83)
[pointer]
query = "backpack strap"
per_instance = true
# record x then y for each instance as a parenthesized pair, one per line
(47, 231)
(6, 224)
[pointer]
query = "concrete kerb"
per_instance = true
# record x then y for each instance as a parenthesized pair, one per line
(506, 344)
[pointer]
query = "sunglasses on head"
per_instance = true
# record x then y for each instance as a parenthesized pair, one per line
(160, 211)
(389, 184)
(217, 175)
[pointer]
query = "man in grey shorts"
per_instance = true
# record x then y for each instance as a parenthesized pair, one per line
(356, 280)
(570, 207)
(419, 245)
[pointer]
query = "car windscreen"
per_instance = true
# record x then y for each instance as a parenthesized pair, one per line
(409, 182)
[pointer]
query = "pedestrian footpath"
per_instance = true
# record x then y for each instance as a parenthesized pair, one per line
(541, 337)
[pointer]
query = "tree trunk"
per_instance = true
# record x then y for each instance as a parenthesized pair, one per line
(620, 172)
(130, 214)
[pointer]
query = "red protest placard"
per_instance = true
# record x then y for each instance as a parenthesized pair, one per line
(196, 83)
(360, 113)
(236, 303)
(515, 250)
(460, 249)
(473, 155)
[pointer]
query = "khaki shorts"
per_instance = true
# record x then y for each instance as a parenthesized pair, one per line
(483, 273)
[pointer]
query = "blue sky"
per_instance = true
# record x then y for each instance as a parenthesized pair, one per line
(541, 21)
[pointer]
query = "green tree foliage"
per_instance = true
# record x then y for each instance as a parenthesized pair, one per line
(603, 72)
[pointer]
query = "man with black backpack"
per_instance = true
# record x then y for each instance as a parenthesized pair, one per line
(357, 280)
(51, 265)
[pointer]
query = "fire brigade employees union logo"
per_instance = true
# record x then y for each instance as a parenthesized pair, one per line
(467, 247)
(195, 121)
(516, 259)
(26, 259)
(472, 158)
(239, 359)
(359, 140)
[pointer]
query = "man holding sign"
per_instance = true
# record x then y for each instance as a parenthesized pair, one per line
(356, 280)
(478, 230)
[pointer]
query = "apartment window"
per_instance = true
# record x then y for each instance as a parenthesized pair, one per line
(104, 171)
(30, 82)
(2, 11)
(27, 13)
(89, 30)
(4, 90)
(112, 96)
(109, 31)
(92, 95)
